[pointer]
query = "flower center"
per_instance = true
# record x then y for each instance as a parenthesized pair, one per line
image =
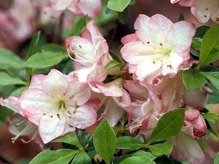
(62, 105)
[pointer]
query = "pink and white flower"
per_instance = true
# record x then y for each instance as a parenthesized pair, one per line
(91, 54)
(159, 47)
(56, 103)
(205, 10)
(90, 8)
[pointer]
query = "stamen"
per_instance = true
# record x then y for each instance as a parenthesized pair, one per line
(28, 141)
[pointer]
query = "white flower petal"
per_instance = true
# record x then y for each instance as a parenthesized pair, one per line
(51, 128)
(55, 84)
(83, 117)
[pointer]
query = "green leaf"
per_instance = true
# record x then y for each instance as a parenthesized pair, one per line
(168, 126)
(5, 113)
(33, 44)
(104, 17)
(123, 16)
(44, 60)
(6, 79)
(161, 149)
(62, 156)
(145, 153)
(105, 141)
(81, 158)
(53, 48)
(200, 31)
(213, 98)
(78, 26)
(128, 143)
(133, 160)
(118, 5)
(210, 46)
(18, 91)
(213, 76)
(216, 158)
(210, 116)
(140, 157)
(9, 60)
(196, 46)
(196, 43)
(113, 63)
(71, 139)
(193, 79)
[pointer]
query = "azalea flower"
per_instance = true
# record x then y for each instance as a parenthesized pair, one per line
(90, 8)
(158, 47)
(56, 103)
(205, 10)
(91, 54)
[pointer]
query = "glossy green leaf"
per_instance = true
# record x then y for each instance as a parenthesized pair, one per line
(63, 156)
(105, 141)
(6, 79)
(213, 76)
(193, 79)
(78, 26)
(81, 158)
(69, 139)
(196, 43)
(128, 143)
(53, 48)
(118, 5)
(145, 153)
(210, 46)
(9, 60)
(168, 125)
(140, 157)
(44, 60)
(200, 31)
(33, 44)
(161, 149)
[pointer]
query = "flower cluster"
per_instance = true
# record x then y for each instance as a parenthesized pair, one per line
(56, 104)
